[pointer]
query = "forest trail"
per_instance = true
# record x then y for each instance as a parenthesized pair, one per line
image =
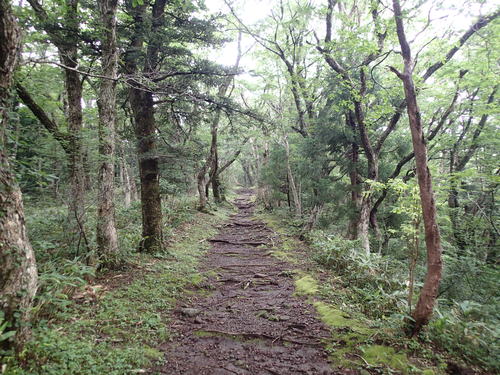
(245, 318)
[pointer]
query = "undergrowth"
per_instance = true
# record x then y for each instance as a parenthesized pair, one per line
(372, 288)
(114, 324)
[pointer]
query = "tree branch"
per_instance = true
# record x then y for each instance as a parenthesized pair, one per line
(40, 114)
(482, 22)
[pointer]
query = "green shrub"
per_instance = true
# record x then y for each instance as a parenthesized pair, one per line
(379, 287)
(464, 331)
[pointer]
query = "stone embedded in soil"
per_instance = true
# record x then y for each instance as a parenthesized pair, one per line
(190, 312)
(233, 337)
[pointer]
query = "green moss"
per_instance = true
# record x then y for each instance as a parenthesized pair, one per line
(331, 316)
(196, 279)
(386, 355)
(306, 285)
(281, 255)
(350, 330)
(152, 353)
(336, 318)
(428, 372)
(350, 333)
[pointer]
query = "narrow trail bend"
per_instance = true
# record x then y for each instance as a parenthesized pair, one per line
(248, 321)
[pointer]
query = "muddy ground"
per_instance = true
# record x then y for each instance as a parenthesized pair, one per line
(245, 318)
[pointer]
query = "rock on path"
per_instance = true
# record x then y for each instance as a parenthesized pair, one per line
(246, 320)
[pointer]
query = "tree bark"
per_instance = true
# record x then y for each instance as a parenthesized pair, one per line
(313, 217)
(149, 172)
(214, 172)
(247, 174)
(18, 272)
(142, 104)
(212, 160)
(291, 182)
(74, 92)
(134, 194)
(363, 224)
(107, 240)
(216, 189)
(127, 186)
(200, 181)
(425, 305)
(263, 191)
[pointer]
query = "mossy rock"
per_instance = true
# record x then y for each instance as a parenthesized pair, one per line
(306, 285)
(386, 355)
(336, 318)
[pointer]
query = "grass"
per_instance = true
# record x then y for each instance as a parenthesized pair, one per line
(114, 327)
(357, 342)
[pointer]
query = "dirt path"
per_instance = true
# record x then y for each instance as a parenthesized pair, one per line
(248, 321)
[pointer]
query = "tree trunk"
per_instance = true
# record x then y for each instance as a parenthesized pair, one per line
(142, 104)
(363, 224)
(200, 180)
(263, 193)
(425, 305)
(354, 179)
(453, 205)
(76, 162)
(127, 185)
(211, 161)
(68, 53)
(216, 189)
(149, 173)
(291, 182)
(134, 194)
(121, 173)
(355, 196)
(247, 174)
(214, 173)
(313, 217)
(18, 273)
(214, 179)
(214, 155)
(107, 240)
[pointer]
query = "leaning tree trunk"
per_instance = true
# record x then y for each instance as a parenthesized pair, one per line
(107, 240)
(18, 273)
(425, 305)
